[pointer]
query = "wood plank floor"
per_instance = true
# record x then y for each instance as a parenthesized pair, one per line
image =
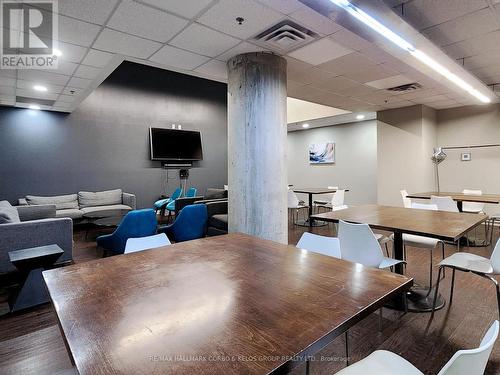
(30, 343)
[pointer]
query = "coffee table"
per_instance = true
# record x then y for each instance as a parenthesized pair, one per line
(105, 218)
(30, 263)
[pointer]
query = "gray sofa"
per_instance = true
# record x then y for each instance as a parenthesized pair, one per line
(31, 226)
(75, 206)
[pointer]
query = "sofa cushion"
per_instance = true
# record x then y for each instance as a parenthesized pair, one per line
(8, 214)
(218, 221)
(62, 202)
(72, 213)
(87, 210)
(99, 198)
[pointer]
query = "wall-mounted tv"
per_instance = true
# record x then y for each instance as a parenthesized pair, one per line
(172, 144)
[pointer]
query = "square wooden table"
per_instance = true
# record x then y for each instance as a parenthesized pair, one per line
(446, 226)
(232, 304)
(459, 197)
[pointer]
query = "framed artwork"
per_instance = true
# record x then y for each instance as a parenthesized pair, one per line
(322, 153)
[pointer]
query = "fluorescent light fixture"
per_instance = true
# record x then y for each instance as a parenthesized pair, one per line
(305, 126)
(40, 88)
(407, 46)
(35, 107)
(57, 52)
(360, 117)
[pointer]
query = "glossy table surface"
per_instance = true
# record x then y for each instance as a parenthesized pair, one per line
(438, 224)
(230, 304)
(485, 198)
(314, 190)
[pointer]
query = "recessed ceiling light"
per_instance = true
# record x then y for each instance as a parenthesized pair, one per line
(407, 46)
(35, 107)
(57, 52)
(305, 126)
(360, 117)
(39, 88)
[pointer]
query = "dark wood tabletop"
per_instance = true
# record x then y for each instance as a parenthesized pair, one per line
(230, 304)
(459, 197)
(449, 226)
(315, 190)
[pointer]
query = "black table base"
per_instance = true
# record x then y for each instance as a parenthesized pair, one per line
(311, 223)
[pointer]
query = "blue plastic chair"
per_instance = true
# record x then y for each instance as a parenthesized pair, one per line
(159, 204)
(189, 225)
(137, 223)
(190, 194)
(192, 191)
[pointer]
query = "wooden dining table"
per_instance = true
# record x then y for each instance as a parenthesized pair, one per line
(459, 197)
(232, 304)
(446, 226)
(310, 222)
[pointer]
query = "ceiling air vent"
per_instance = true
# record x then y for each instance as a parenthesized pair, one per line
(405, 88)
(23, 99)
(285, 36)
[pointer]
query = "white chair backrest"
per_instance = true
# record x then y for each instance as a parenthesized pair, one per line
(333, 187)
(444, 203)
(473, 361)
(421, 206)
(144, 243)
(320, 244)
(359, 244)
(495, 258)
(338, 198)
(293, 201)
(406, 201)
(472, 206)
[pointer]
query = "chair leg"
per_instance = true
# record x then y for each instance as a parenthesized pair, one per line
(387, 250)
(443, 255)
(380, 319)
(436, 292)
(497, 287)
(347, 348)
(452, 285)
(430, 272)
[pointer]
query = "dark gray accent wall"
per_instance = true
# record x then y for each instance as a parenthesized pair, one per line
(104, 143)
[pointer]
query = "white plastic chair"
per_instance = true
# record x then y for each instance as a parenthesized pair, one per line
(463, 362)
(359, 244)
(444, 203)
(294, 204)
(320, 244)
(422, 242)
(406, 200)
(144, 243)
(478, 265)
(472, 207)
(326, 198)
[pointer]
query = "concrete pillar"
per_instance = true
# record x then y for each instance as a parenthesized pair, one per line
(257, 131)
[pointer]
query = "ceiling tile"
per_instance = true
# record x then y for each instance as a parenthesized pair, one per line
(294, 66)
(97, 58)
(94, 11)
(214, 68)
(178, 58)
(185, 8)
(66, 98)
(11, 73)
(43, 76)
(389, 82)
(401, 104)
(474, 46)
(424, 13)
(71, 52)
(36, 94)
(313, 76)
(350, 40)
(79, 82)
(7, 90)
(283, 6)
(72, 91)
(28, 85)
(7, 99)
(473, 24)
(7, 81)
(315, 21)
(356, 91)
(337, 84)
(65, 67)
(241, 48)
(430, 99)
(87, 72)
(222, 16)
(380, 97)
(146, 22)
(202, 40)
(60, 104)
(320, 51)
(77, 32)
(115, 41)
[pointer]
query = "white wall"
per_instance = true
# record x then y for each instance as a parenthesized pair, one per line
(356, 160)
(470, 126)
(405, 140)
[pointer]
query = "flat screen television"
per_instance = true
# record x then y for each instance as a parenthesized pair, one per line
(172, 144)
